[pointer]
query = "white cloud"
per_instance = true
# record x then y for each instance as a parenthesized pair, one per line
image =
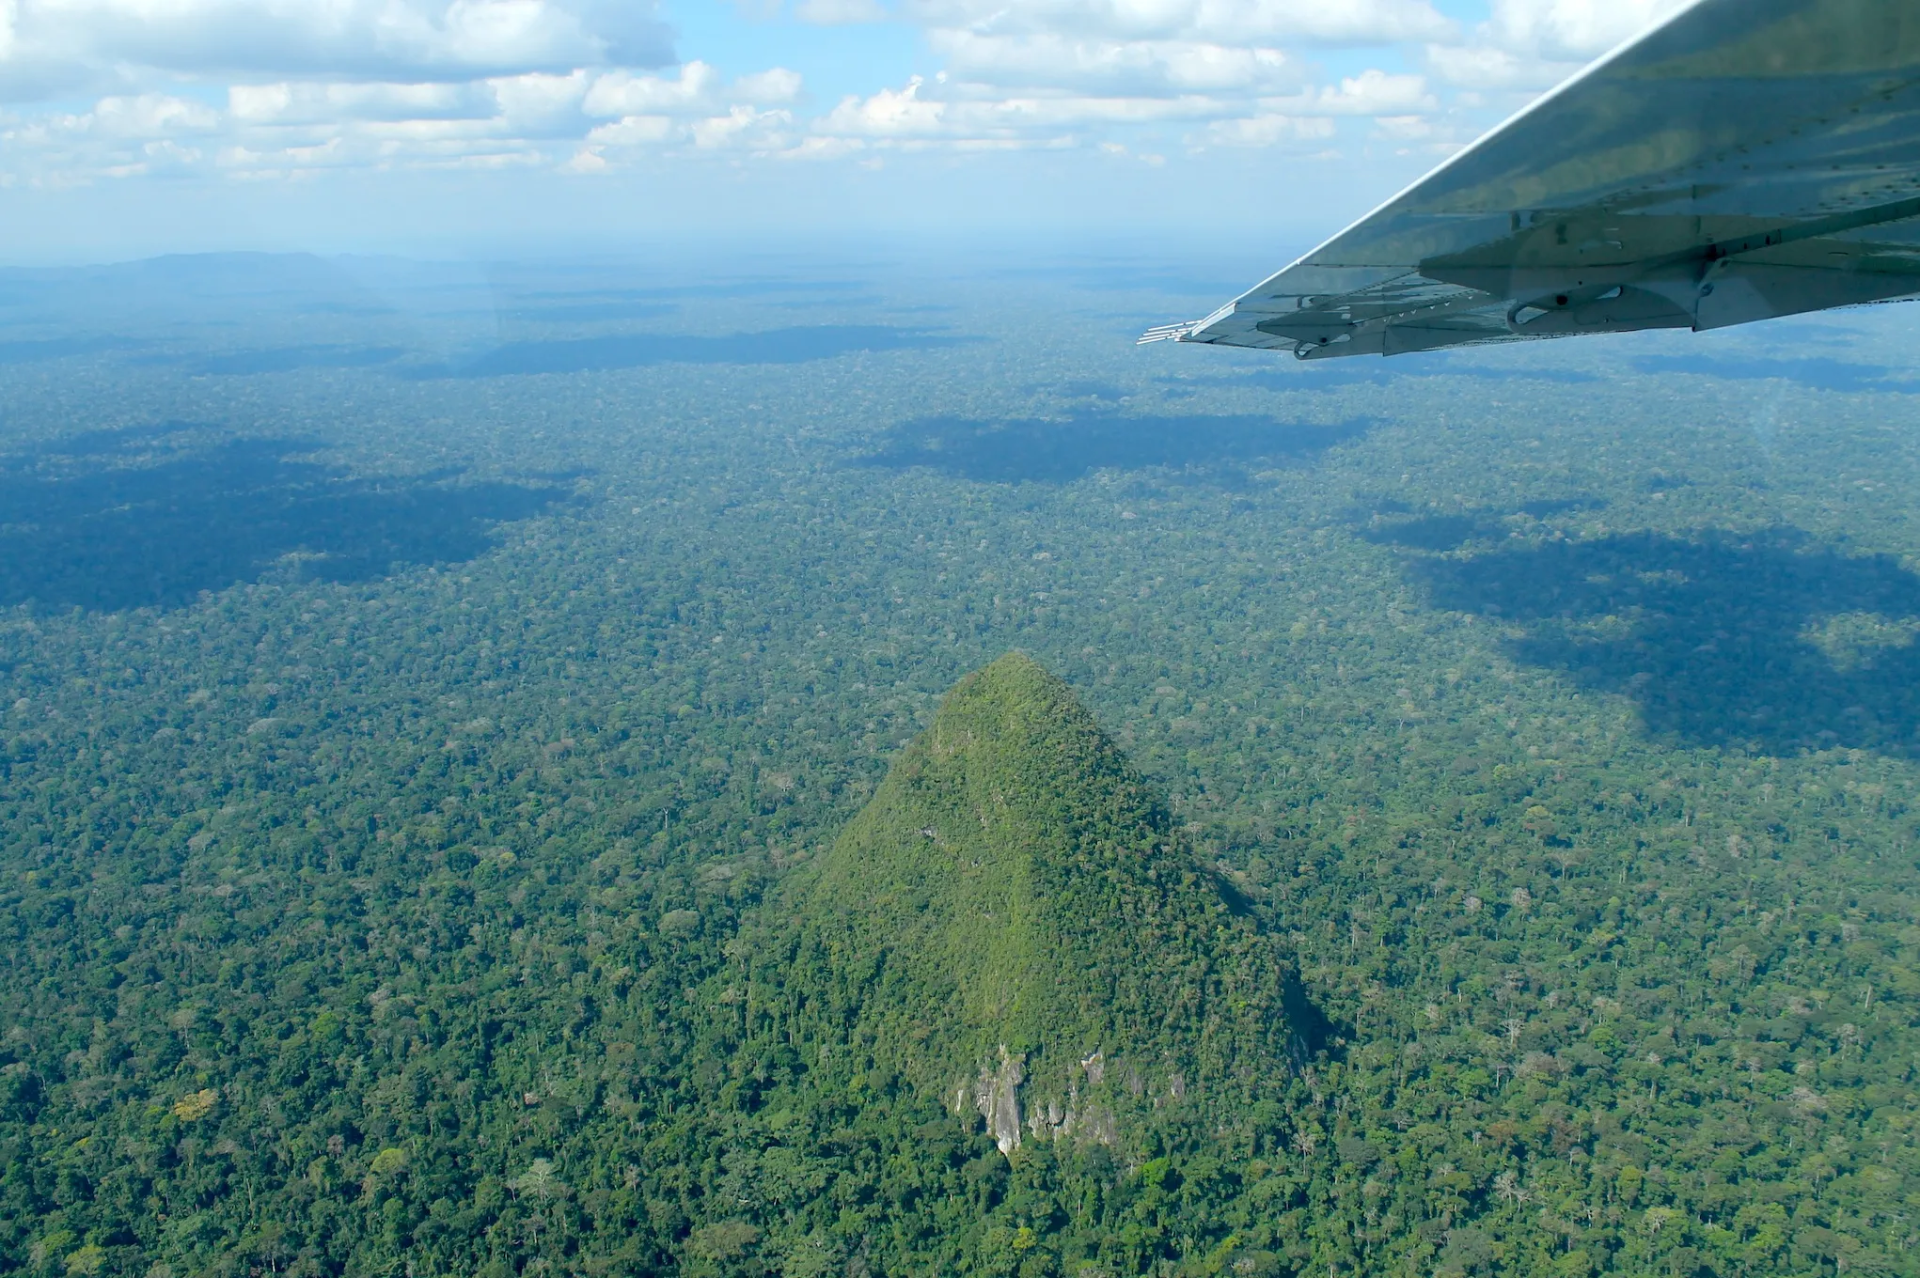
(1145, 67)
(823, 148)
(1406, 128)
(1400, 105)
(632, 130)
(540, 103)
(1226, 22)
(1269, 130)
(310, 103)
(697, 86)
(1575, 30)
(694, 108)
(421, 39)
(743, 128)
(775, 85)
(1484, 67)
(151, 115)
(1535, 44)
(121, 136)
(265, 87)
(1372, 92)
(833, 13)
(291, 126)
(1043, 70)
(909, 117)
(890, 113)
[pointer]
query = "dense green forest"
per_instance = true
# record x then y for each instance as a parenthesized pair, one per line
(426, 715)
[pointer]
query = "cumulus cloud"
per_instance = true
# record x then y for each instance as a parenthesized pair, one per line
(257, 88)
(540, 103)
(1398, 103)
(910, 118)
(1488, 67)
(1575, 30)
(1534, 44)
(149, 115)
(627, 131)
(1225, 22)
(1372, 92)
(1138, 67)
(1269, 130)
(833, 13)
(310, 103)
(743, 128)
(694, 86)
(775, 85)
(695, 108)
(1243, 68)
(890, 113)
(75, 42)
(121, 136)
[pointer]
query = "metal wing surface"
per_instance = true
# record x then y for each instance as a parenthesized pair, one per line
(1747, 159)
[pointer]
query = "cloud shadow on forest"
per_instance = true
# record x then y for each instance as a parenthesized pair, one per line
(1059, 452)
(152, 516)
(1392, 523)
(1768, 641)
(798, 345)
(280, 359)
(592, 311)
(40, 350)
(287, 359)
(713, 288)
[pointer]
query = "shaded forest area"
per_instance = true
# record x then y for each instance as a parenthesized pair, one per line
(152, 516)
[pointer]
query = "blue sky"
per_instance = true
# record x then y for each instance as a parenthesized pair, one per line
(459, 126)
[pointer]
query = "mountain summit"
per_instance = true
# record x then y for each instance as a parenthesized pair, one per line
(1012, 923)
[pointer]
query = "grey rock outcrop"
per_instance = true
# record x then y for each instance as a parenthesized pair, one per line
(996, 1094)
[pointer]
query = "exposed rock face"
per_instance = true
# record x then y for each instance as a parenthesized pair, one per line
(996, 1094)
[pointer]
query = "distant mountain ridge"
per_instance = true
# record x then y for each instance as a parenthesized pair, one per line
(1013, 925)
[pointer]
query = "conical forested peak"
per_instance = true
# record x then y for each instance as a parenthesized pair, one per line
(1010, 691)
(1011, 920)
(1014, 671)
(1015, 769)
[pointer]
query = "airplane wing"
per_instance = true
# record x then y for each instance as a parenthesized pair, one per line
(1744, 160)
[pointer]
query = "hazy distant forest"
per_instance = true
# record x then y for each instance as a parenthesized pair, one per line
(416, 685)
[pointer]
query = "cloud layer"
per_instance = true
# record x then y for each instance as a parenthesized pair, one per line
(258, 89)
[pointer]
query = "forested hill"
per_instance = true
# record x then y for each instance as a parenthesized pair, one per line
(1013, 924)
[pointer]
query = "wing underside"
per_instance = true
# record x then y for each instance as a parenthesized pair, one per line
(1748, 159)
